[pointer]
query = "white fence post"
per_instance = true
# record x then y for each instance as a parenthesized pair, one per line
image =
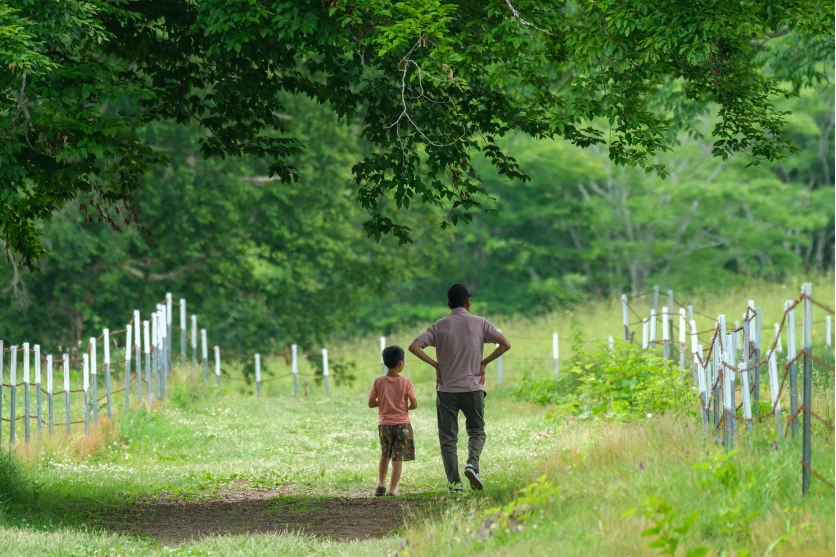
(205, 355)
(625, 317)
(258, 375)
(665, 331)
(744, 390)
(106, 342)
(128, 350)
(13, 395)
(653, 317)
(773, 391)
(94, 380)
(146, 344)
(294, 362)
(50, 418)
(644, 333)
(86, 358)
(38, 407)
(382, 365)
(218, 367)
(325, 373)
(682, 338)
(26, 392)
(183, 332)
(138, 348)
(194, 340)
(67, 422)
(167, 338)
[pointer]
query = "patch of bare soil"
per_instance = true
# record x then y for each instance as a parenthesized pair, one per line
(243, 511)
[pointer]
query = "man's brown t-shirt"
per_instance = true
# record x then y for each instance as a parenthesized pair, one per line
(459, 341)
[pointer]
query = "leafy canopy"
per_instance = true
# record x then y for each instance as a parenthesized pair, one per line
(433, 84)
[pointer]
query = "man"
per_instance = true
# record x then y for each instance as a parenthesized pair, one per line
(459, 341)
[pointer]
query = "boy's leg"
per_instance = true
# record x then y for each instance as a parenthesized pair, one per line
(447, 411)
(382, 468)
(396, 476)
(473, 408)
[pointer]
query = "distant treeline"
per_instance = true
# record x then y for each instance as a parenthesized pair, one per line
(264, 262)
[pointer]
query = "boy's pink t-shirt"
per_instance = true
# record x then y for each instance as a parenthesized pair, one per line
(392, 394)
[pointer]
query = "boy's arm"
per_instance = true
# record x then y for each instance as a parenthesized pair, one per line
(373, 402)
(410, 394)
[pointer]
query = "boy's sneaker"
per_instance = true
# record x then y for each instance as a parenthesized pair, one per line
(455, 489)
(380, 491)
(472, 475)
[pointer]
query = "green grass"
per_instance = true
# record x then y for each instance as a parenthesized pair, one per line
(198, 445)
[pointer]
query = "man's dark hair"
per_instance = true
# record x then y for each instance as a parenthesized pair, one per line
(457, 296)
(392, 355)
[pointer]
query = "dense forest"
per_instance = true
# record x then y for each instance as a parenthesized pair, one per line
(268, 262)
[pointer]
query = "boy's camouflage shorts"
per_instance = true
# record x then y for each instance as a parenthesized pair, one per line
(396, 441)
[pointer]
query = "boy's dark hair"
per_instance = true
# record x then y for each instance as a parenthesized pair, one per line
(457, 296)
(392, 355)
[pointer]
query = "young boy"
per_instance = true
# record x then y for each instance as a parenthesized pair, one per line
(393, 396)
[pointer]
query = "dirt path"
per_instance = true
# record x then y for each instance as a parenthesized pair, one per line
(239, 511)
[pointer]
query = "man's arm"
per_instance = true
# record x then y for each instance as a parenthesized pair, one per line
(417, 348)
(503, 346)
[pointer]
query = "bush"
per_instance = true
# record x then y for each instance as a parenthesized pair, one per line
(625, 383)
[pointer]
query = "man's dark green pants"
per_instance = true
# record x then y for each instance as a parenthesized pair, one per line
(472, 405)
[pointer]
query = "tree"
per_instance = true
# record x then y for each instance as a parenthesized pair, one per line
(435, 83)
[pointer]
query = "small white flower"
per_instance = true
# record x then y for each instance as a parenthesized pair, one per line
(649, 415)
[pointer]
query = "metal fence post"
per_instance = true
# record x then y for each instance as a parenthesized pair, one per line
(773, 391)
(26, 392)
(745, 395)
(146, 344)
(665, 332)
(758, 353)
(793, 371)
(106, 341)
(653, 317)
(808, 388)
(655, 299)
(94, 375)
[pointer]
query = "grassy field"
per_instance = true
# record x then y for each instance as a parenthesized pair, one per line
(267, 472)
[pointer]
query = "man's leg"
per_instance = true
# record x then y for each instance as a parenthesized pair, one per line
(447, 411)
(473, 408)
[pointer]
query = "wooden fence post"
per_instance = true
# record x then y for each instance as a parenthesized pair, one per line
(194, 341)
(555, 355)
(665, 340)
(86, 358)
(13, 395)
(138, 348)
(258, 375)
(128, 350)
(773, 391)
(218, 367)
(205, 355)
(294, 369)
(793, 370)
(808, 389)
(50, 418)
(382, 365)
(183, 332)
(325, 373)
(26, 392)
(38, 404)
(67, 422)
(625, 317)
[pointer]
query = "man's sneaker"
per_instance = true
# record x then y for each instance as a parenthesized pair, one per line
(455, 489)
(472, 475)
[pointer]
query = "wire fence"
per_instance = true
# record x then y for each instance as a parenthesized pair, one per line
(733, 364)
